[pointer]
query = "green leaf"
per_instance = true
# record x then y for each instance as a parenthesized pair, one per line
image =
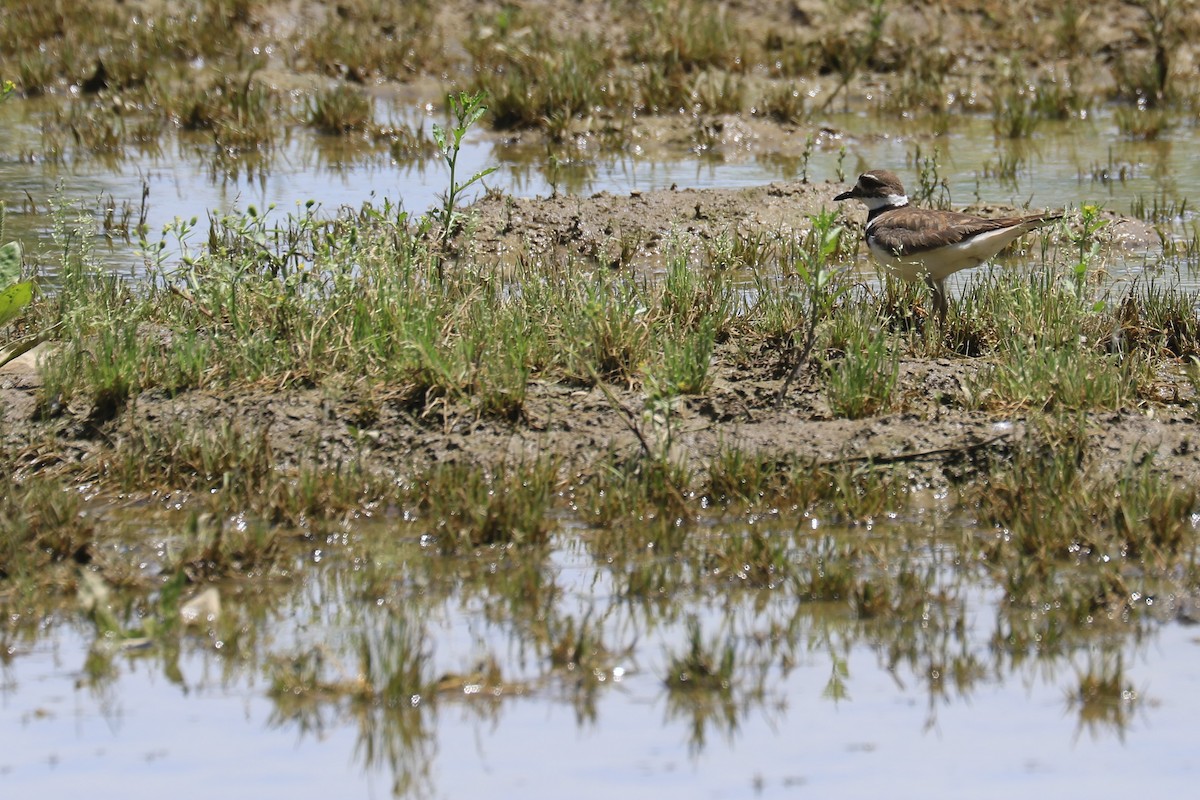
(10, 263)
(13, 299)
(483, 173)
(474, 116)
(439, 137)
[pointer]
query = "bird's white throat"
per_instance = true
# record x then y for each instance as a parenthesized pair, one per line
(887, 201)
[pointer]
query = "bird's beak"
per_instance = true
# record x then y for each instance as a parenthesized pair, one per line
(846, 195)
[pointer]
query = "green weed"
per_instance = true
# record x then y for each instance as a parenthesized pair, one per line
(861, 382)
(821, 286)
(467, 110)
(43, 527)
(1144, 123)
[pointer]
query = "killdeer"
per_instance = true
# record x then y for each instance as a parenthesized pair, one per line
(925, 244)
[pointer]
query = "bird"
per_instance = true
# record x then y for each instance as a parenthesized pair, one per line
(929, 244)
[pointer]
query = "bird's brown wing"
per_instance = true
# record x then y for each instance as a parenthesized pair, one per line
(923, 232)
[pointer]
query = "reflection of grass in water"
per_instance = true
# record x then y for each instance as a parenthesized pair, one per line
(700, 685)
(1104, 697)
(881, 588)
(389, 695)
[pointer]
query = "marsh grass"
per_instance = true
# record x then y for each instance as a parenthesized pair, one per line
(304, 300)
(469, 507)
(1159, 208)
(317, 491)
(1159, 321)
(923, 80)
(631, 58)
(738, 477)
(1048, 378)
(196, 455)
(1054, 508)
(339, 110)
(363, 297)
(686, 357)
(92, 130)
(1049, 345)
(860, 383)
(240, 112)
(1032, 495)
(784, 102)
(853, 49)
(301, 299)
(542, 81)
(815, 284)
(212, 547)
(268, 299)
(577, 645)
(627, 490)
(853, 493)
(694, 308)
(1148, 124)
(607, 324)
(687, 35)
(369, 39)
(43, 528)
(1059, 96)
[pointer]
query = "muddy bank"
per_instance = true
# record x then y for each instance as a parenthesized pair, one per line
(938, 442)
(932, 430)
(639, 229)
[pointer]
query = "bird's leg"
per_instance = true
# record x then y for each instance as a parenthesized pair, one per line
(940, 306)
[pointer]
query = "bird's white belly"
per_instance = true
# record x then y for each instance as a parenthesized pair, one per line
(942, 262)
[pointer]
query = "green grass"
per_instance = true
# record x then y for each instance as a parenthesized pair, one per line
(340, 110)
(625, 59)
(1053, 507)
(299, 300)
(860, 380)
(368, 39)
(43, 528)
(470, 507)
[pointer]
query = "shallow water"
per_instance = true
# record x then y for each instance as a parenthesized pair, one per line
(1066, 164)
(823, 704)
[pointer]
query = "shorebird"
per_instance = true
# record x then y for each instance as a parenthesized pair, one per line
(927, 244)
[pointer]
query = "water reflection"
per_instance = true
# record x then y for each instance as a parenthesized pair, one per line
(185, 175)
(403, 646)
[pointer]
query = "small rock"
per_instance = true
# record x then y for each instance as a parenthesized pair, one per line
(204, 608)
